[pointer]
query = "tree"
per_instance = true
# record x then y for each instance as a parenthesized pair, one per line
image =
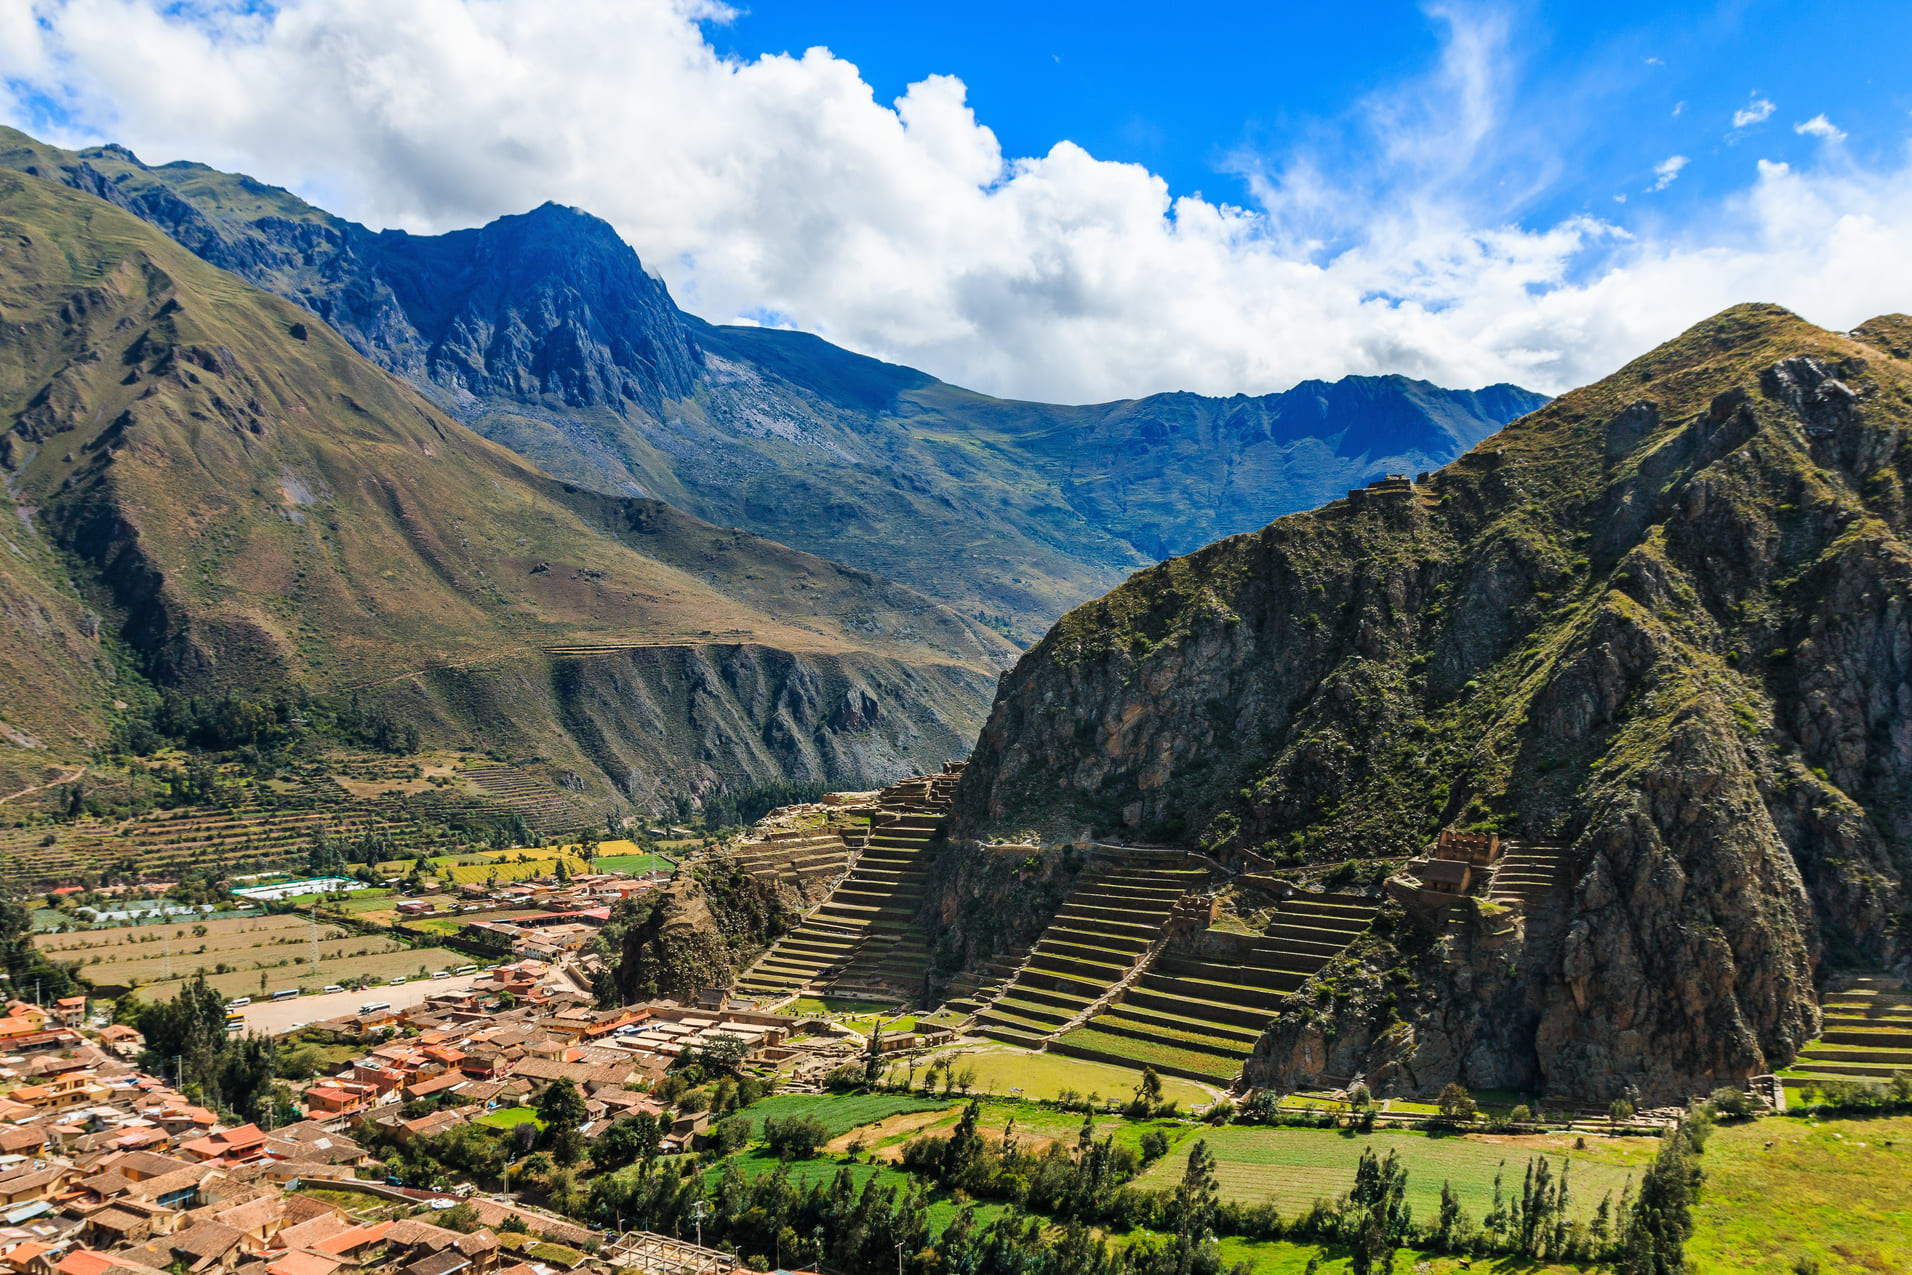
(561, 1107)
(794, 1137)
(1619, 1111)
(1457, 1104)
(1450, 1229)
(873, 1059)
(632, 1140)
(730, 1135)
(721, 1054)
(1732, 1103)
(1378, 1214)
(462, 1216)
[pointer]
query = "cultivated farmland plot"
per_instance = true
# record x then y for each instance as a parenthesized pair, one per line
(381, 966)
(278, 946)
(1292, 1168)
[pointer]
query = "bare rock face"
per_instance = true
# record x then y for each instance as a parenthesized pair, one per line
(1665, 620)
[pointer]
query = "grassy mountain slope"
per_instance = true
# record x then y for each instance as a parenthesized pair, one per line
(248, 503)
(543, 333)
(1666, 619)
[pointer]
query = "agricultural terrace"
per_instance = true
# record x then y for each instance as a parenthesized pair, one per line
(249, 824)
(1292, 1168)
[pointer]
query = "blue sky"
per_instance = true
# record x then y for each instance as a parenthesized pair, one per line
(1077, 202)
(1599, 93)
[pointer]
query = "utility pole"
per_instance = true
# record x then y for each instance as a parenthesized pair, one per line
(698, 1212)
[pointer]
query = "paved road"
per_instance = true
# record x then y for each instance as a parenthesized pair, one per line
(275, 1018)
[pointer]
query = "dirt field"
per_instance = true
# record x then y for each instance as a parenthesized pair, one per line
(275, 1018)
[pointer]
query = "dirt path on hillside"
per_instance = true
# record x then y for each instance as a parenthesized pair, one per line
(51, 783)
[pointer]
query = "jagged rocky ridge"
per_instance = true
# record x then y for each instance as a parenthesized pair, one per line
(544, 332)
(1664, 619)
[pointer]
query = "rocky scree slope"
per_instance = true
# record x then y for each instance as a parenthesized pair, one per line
(208, 488)
(543, 332)
(1667, 619)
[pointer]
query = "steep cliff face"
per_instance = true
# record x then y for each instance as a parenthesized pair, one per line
(1665, 618)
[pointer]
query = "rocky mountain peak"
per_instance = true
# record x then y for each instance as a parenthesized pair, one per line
(548, 304)
(1659, 626)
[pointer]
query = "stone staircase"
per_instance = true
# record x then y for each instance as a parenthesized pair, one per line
(1530, 876)
(863, 941)
(1200, 1016)
(1104, 928)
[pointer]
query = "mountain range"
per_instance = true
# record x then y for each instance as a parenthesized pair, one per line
(1659, 632)
(544, 332)
(209, 490)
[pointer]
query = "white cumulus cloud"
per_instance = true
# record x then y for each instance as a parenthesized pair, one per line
(1758, 111)
(1667, 171)
(1821, 127)
(782, 185)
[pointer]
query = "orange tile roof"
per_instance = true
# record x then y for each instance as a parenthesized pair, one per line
(304, 1264)
(86, 1261)
(357, 1237)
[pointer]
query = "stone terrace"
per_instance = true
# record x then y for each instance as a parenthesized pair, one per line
(1104, 928)
(1866, 1036)
(863, 940)
(1199, 1016)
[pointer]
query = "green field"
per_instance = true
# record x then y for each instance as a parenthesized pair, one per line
(635, 864)
(510, 1118)
(819, 1006)
(1838, 1191)
(1044, 1076)
(1278, 1257)
(838, 1114)
(1292, 1168)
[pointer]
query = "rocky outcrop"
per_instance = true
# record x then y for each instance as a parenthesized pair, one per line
(1667, 619)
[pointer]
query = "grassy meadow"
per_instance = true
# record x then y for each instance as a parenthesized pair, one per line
(1781, 1193)
(1046, 1076)
(1292, 1168)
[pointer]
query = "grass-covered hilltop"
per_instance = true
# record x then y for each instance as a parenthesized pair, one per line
(1658, 631)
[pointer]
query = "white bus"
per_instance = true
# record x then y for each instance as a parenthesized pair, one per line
(465, 969)
(374, 1007)
(285, 993)
(241, 1003)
